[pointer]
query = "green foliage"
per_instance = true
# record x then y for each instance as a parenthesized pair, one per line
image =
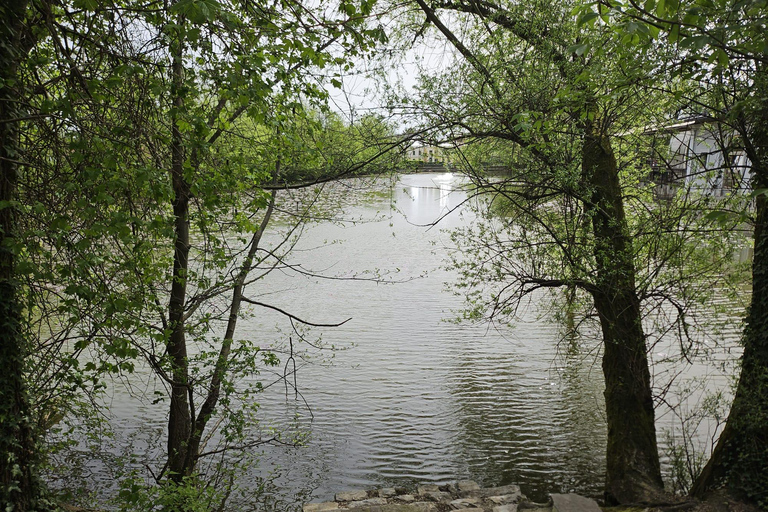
(569, 105)
(718, 50)
(714, 32)
(192, 494)
(685, 455)
(117, 100)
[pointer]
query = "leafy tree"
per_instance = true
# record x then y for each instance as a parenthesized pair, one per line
(17, 440)
(523, 114)
(550, 96)
(722, 45)
(158, 139)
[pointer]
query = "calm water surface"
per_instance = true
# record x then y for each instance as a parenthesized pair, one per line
(411, 397)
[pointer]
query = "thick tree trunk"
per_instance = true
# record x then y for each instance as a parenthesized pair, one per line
(633, 473)
(17, 443)
(740, 459)
(180, 419)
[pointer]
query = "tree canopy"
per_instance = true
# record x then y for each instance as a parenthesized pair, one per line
(159, 159)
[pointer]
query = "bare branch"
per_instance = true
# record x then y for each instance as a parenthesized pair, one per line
(293, 317)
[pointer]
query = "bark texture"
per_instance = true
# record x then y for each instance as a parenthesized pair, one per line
(180, 418)
(17, 443)
(633, 473)
(740, 458)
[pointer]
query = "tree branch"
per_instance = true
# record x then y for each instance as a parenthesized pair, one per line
(293, 317)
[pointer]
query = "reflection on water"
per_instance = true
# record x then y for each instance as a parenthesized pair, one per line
(414, 398)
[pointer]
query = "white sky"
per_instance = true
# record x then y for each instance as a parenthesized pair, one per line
(363, 92)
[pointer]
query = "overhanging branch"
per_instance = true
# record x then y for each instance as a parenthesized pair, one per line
(293, 317)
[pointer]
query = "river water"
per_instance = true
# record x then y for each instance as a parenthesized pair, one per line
(408, 396)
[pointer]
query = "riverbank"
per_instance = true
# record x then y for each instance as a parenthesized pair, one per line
(468, 496)
(465, 495)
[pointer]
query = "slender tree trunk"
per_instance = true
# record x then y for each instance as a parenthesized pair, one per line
(740, 458)
(180, 419)
(214, 389)
(17, 442)
(632, 473)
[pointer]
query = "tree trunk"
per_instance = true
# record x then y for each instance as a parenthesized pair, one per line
(17, 442)
(214, 389)
(740, 459)
(180, 418)
(632, 473)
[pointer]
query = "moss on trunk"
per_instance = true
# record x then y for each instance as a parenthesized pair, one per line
(740, 459)
(17, 443)
(632, 473)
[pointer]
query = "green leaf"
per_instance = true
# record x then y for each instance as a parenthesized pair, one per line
(588, 17)
(661, 10)
(579, 49)
(88, 5)
(674, 34)
(718, 216)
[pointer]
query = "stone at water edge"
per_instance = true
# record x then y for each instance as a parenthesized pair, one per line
(503, 500)
(438, 495)
(573, 503)
(465, 503)
(320, 507)
(424, 489)
(505, 490)
(387, 492)
(463, 496)
(351, 495)
(414, 507)
(370, 502)
(467, 485)
(400, 507)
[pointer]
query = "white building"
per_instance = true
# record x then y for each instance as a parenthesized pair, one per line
(427, 154)
(702, 157)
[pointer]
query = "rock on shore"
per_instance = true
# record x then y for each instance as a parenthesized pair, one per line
(463, 496)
